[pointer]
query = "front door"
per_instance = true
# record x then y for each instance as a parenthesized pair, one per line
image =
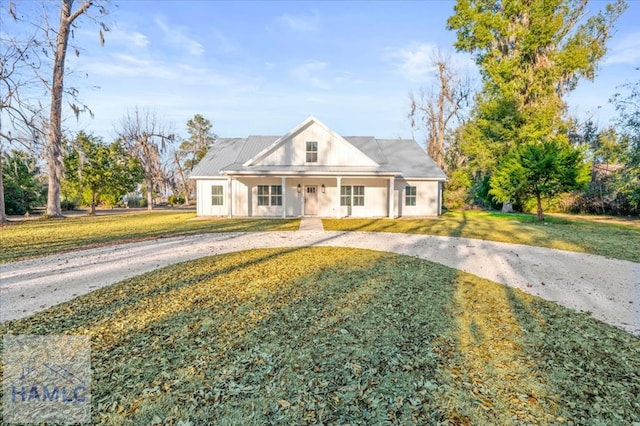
(311, 201)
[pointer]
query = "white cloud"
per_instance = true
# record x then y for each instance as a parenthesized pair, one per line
(175, 72)
(415, 62)
(176, 35)
(300, 23)
(129, 38)
(308, 73)
(626, 51)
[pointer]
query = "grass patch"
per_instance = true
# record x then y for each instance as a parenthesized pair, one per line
(341, 336)
(40, 237)
(616, 240)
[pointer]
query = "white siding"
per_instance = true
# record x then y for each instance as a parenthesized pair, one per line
(333, 150)
(245, 197)
(427, 194)
(375, 198)
(204, 207)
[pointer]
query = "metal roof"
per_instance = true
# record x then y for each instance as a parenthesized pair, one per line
(396, 157)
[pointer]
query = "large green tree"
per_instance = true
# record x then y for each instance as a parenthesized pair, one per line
(22, 189)
(530, 54)
(540, 170)
(95, 170)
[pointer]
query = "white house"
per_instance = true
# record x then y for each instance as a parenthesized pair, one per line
(313, 171)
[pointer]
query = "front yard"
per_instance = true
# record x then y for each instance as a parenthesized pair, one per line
(619, 239)
(341, 336)
(41, 237)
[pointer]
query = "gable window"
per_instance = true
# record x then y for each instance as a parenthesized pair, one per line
(217, 195)
(410, 195)
(312, 152)
(352, 195)
(269, 195)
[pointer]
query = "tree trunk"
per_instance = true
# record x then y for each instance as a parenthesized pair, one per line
(185, 183)
(540, 215)
(92, 211)
(149, 185)
(3, 216)
(54, 135)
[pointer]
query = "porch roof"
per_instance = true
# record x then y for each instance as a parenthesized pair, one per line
(307, 170)
(396, 157)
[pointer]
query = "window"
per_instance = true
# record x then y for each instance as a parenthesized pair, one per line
(312, 152)
(276, 195)
(352, 195)
(263, 195)
(345, 196)
(217, 195)
(358, 195)
(269, 195)
(410, 196)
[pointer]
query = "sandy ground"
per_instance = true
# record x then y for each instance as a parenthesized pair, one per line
(608, 288)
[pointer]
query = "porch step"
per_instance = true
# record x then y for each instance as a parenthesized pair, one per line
(311, 224)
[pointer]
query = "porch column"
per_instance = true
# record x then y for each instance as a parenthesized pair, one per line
(338, 186)
(390, 196)
(229, 197)
(439, 198)
(284, 197)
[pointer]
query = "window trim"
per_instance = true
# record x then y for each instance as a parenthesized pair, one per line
(217, 197)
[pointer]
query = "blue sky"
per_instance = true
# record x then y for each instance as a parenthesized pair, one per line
(263, 67)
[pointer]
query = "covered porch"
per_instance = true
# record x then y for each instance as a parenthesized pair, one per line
(310, 195)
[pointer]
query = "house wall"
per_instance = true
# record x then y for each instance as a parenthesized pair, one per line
(245, 199)
(203, 205)
(427, 196)
(375, 198)
(332, 150)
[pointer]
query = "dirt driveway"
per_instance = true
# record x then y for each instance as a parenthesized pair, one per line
(608, 288)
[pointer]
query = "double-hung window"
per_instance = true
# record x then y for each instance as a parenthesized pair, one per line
(276, 195)
(345, 196)
(358, 195)
(312, 152)
(269, 195)
(352, 195)
(217, 195)
(410, 195)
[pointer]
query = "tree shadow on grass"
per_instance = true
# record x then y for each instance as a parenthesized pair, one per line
(337, 336)
(593, 367)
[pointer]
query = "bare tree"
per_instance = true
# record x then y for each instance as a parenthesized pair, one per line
(50, 49)
(54, 134)
(22, 119)
(436, 109)
(184, 181)
(146, 139)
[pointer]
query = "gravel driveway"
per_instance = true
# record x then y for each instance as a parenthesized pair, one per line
(608, 288)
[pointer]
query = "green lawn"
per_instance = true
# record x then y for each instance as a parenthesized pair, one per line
(341, 336)
(620, 239)
(39, 237)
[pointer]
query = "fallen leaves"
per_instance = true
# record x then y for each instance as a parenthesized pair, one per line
(341, 336)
